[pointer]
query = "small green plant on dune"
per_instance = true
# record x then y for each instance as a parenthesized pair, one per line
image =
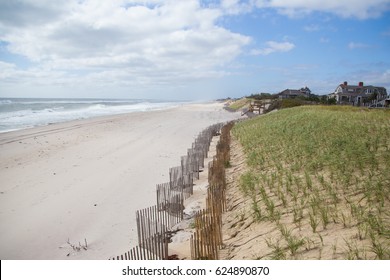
(314, 222)
(278, 252)
(248, 183)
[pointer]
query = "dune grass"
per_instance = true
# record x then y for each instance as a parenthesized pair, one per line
(240, 104)
(326, 167)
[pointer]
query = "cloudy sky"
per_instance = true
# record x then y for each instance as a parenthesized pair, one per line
(188, 49)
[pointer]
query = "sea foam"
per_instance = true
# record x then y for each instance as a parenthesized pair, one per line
(16, 114)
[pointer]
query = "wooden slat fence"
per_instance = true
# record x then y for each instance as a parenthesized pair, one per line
(207, 239)
(178, 180)
(154, 248)
(204, 242)
(170, 202)
(154, 223)
(190, 165)
(150, 221)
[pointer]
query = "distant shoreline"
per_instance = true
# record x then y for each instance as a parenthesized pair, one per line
(21, 113)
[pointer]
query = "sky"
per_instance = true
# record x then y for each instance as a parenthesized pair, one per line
(188, 49)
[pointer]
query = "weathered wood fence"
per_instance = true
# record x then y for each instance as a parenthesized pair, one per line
(154, 223)
(170, 203)
(179, 180)
(207, 239)
(154, 248)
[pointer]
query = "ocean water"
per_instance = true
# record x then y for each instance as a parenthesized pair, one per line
(21, 113)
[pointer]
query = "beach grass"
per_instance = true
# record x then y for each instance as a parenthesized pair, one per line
(321, 171)
(240, 104)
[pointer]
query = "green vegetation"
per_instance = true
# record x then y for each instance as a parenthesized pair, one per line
(239, 104)
(277, 103)
(321, 169)
(263, 96)
(286, 103)
(299, 101)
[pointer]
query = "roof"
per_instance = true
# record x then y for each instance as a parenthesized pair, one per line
(356, 90)
(291, 91)
(302, 91)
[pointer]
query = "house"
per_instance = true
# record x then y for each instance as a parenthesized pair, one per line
(359, 95)
(387, 102)
(294, 93)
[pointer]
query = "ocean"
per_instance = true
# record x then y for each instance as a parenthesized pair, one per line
(21, 113)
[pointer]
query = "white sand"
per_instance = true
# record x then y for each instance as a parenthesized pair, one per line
(85, 179)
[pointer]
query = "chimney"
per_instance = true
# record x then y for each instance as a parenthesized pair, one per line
(345, 83)
(360, 84)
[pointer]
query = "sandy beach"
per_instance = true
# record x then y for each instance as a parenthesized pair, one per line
(84, 180)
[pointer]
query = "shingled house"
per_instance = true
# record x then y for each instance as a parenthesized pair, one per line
(359, 95)
(294, 93)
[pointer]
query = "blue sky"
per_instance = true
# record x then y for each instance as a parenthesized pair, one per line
(190, 49)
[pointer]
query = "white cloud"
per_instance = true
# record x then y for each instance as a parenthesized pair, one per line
(324, 40)
(5, 65)
(353, 45)
(272, 46)
(372, 76)
(361, 9)
(235, 7)
(119, 41)
(311, 28)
